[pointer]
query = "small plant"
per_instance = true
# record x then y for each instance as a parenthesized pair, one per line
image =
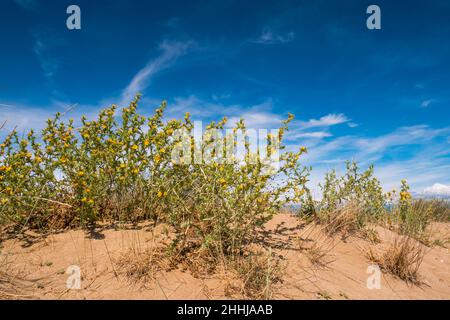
(402, 259)
(258, 273)
(414, 215)
(348, 202)
(317, 256)
(142, 266)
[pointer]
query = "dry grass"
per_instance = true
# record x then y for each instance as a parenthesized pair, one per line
(13, 283)
(142, 266)
(258, 272)
(402, 259)
(370, 235)
(343, 220)
(317, 256)
(317, 245)
(439, 210)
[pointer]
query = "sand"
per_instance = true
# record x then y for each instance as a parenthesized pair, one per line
(35, 267)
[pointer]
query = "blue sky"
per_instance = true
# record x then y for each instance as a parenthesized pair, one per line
(374, 96)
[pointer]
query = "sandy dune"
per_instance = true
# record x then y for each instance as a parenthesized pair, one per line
(36, 268)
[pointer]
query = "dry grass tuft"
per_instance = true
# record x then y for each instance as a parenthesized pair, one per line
(142, 266)
(317, 245)
(317, 256)
(402, 259)
(258, 273)
(370, 235)
(343, 220)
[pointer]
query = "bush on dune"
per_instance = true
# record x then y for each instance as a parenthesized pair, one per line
(348, 202)
(128, 168)
(122, 168)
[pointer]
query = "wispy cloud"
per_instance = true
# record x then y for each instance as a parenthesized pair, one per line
(22, 117)
(255, 116)
(30, 5)
(418, 134)
(426, 103)
(268, 36)
(313, 135)
(325, 121)
(49, 66)
(171, 51)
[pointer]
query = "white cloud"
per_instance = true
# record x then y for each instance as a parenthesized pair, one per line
(437, 189)
(402, 136)
(23, 118)
(258, 120)
(269, 37)
(426, 103)
(325, 121)
(255, 116)
(170, 52)
(313, 135)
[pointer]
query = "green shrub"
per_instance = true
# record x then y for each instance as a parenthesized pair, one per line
(123, 168)
(355, 197)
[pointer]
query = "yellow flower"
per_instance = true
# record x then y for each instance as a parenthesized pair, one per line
(162, 150)
(157, 158)
(303, 149)
(5, 168)
(170, 131)
(146, 142)
(80, 173)
(5, 201)
(91, 201)
(160, 194)
(405, 195)
(134, 147)
(222, 181)
(136, 171)
(85, 135)
(123, 165)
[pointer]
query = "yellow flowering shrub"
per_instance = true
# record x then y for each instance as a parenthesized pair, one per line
(121, 167)
(361, 190)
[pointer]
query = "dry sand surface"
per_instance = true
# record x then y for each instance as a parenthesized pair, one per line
(34, 267)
